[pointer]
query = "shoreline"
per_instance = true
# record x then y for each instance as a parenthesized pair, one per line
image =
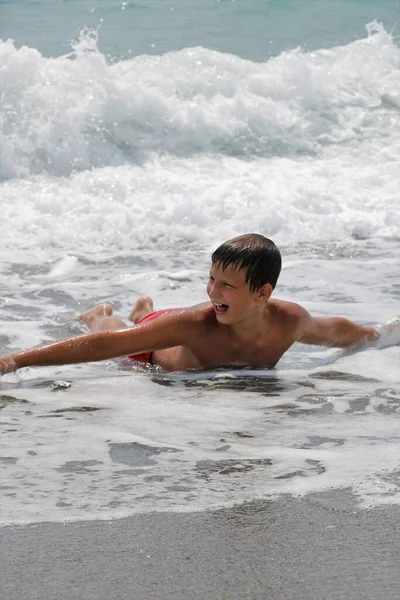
(317, 547)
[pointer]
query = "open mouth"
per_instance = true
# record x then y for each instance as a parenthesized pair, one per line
(220, 309)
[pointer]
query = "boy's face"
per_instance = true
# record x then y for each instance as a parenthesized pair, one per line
(232, 299)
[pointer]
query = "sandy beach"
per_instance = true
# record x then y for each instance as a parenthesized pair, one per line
(318, 547)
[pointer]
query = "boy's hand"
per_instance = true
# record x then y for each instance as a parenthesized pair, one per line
(7, 365)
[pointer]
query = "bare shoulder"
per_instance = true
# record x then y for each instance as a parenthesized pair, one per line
(177, 327)
(290, 313)
(192, 314)
(189, 323)
(189, 318)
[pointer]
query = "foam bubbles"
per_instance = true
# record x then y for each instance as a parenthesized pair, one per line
(115, 446)
(172, 204)
(77, 112)
(194, 146)
(117, 181)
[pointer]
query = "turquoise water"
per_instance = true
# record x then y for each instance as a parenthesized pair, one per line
(252, 29)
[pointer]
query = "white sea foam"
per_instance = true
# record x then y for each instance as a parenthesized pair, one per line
(118, 181)
(173, 204)
(202, 444)
(78, 112)
(193, 146)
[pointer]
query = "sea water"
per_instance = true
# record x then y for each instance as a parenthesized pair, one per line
(136, 137)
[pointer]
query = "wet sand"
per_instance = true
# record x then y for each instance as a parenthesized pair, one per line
(321, 547)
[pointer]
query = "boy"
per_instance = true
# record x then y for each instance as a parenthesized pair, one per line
(241, 324)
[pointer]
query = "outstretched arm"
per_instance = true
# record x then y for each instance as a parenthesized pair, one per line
(82, 348)
(334, 331)
(165, 332)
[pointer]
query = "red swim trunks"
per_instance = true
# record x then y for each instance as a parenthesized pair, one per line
(146, 357)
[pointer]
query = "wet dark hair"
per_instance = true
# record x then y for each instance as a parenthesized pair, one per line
(254, 253)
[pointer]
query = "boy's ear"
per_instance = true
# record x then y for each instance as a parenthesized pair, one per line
(264, 292)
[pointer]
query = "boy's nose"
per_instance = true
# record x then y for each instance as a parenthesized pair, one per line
(211, 288)
(215, 289)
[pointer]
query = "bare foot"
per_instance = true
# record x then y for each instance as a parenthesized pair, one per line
(144, 306)
(101, 310)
